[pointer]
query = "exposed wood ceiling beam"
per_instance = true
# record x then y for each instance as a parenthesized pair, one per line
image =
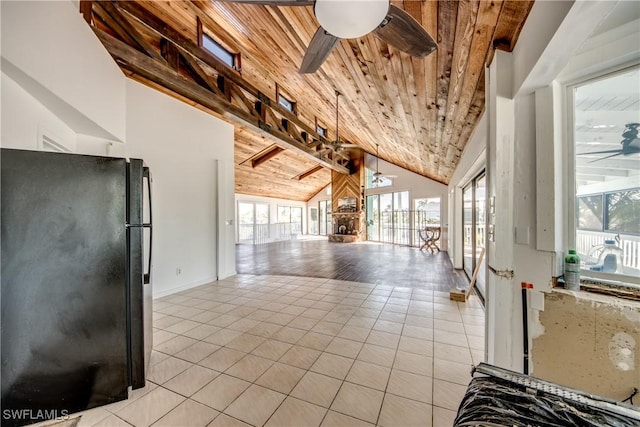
(307, 173)
(124, 28)
(265, 155)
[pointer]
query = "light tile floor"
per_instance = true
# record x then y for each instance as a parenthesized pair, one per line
(297, 351)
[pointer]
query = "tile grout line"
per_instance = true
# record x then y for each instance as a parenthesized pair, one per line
(347, 294)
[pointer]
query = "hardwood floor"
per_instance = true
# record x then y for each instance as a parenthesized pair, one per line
(363, 262)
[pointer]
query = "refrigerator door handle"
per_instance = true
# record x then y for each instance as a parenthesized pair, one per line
(147, 274)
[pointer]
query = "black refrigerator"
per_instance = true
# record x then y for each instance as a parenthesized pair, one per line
(76, 293)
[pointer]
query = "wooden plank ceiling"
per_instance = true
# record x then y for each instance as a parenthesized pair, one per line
(421, 112)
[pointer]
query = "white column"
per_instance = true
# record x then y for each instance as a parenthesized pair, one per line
(503, 327)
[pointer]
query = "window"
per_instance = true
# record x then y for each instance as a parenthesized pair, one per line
(253, 222)
(313, 221)
(286, 103)
(324, 207)
(427, 211)
(284, 214)
(590, 213)
(616, 212)
(321, 131)
(388, 218)
(226, 56)
(606, 112)
(291, 216)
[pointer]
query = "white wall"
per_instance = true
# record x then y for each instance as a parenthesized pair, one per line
(190, 153)
(324, 194)
(182, 146)
(50, 51)
(25, 120)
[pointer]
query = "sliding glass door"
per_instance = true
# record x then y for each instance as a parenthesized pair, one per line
(480, 209)
(313, 221)
(325, 217)
(388, 218)
(467, 229)
(253, 222)
(473, 228)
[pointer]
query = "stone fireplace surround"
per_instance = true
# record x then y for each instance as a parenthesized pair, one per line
(347, 199)
(347, 227)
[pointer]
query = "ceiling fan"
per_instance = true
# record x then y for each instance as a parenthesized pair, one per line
(378, 177)
(630, 143)
(338, 145)
(349, 19)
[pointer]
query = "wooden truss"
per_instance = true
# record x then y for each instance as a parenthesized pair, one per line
(180, 66)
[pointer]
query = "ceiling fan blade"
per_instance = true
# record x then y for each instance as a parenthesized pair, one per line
(601, 152)
(618, 153)
(399, 29)
(274, 2)
(319, 48)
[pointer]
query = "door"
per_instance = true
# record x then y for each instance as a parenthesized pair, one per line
(373, 218)
(313, 221)
(426, 213)
(473, 234)
(322, 207)
(245, 222)
(325, 217)
(467, 229)
(296, 221)
(480, 209)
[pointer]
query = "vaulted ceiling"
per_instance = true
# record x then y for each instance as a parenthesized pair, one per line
(421, 111)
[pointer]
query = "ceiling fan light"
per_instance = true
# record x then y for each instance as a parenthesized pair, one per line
(349, 19)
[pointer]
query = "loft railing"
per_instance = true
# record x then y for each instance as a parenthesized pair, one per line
(259, 234)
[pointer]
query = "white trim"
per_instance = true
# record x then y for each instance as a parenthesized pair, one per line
(185, 287)
(568, 123)
(48, 141)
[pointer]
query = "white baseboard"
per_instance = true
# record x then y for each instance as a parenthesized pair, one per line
(228, 274)
(172, 291)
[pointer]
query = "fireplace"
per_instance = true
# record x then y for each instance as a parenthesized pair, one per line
(347, 227)
(348, 201)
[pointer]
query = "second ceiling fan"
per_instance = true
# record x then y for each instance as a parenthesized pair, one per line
(348, 19)
(379, 177)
